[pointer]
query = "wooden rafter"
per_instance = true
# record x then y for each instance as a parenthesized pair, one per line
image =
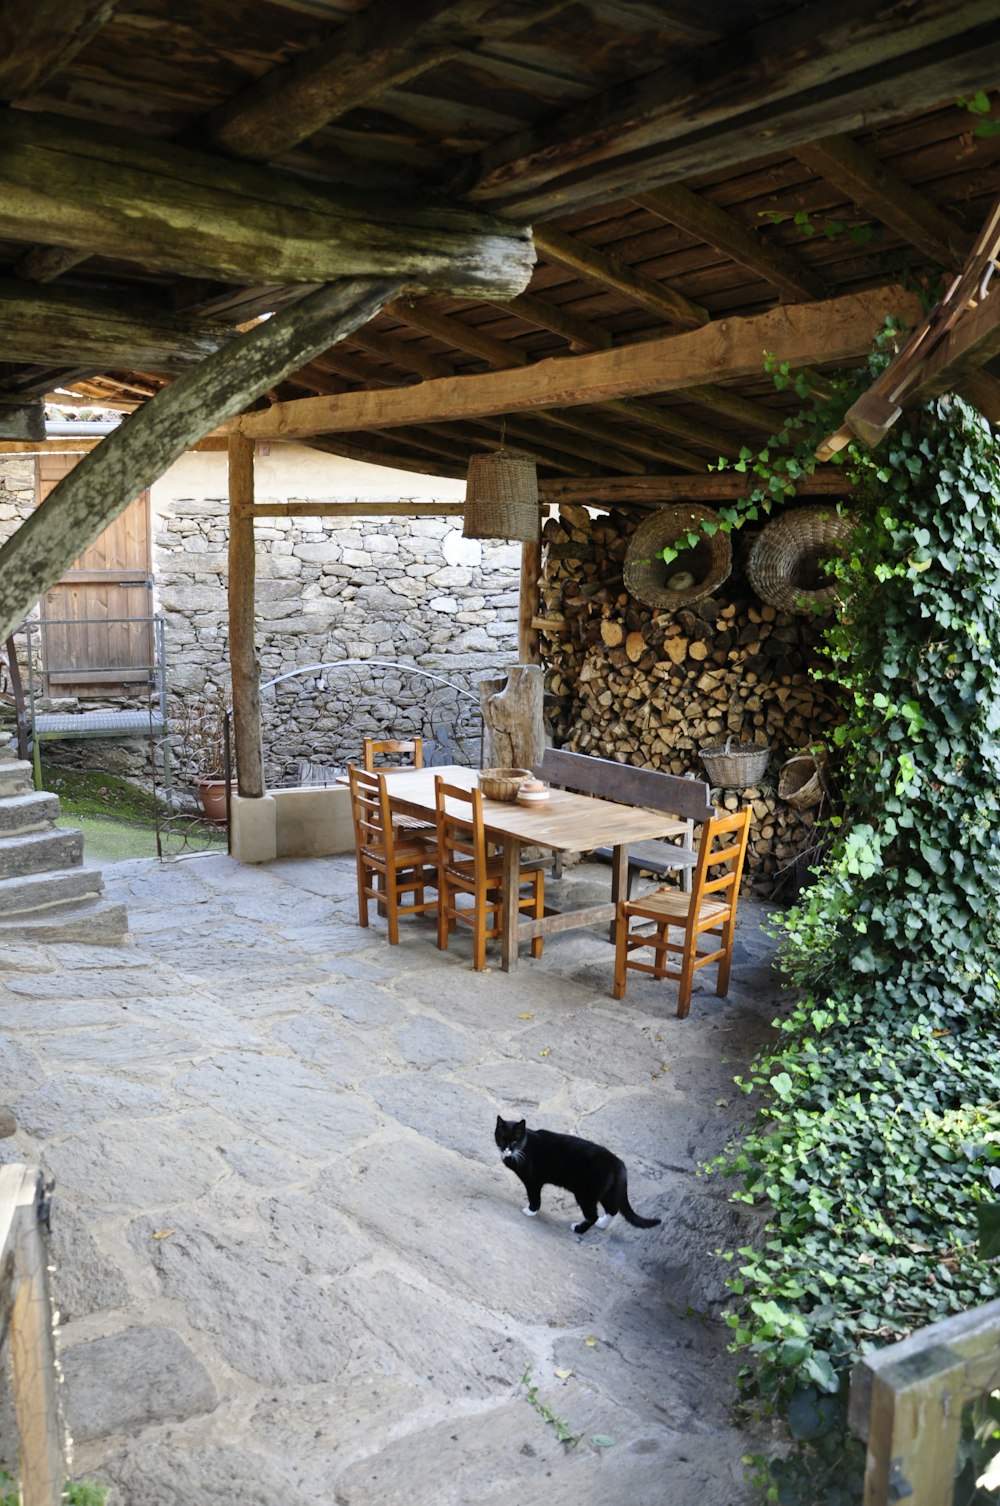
(37, 40)
(705, 221)
(860, 175)
(837, 329)
(579, 333)
(608, 272)
(806, 79)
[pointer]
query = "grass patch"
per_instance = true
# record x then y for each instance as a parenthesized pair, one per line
(119, 819)
(90, 793)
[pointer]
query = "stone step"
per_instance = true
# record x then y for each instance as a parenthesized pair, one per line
(26, 893)
(35, 810)
(16, 777)
(40, 851)
(101, 922)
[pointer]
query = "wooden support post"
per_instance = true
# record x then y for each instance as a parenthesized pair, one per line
(242, 653)
(512, 718)
(527, 637)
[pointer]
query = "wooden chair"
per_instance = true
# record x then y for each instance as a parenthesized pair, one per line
(710, 909)
(397, 750)
(372, 749)
(392, 864)
(465, 867)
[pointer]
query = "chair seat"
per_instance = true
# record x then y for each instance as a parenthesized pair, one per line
(408, 847)
(669, 903)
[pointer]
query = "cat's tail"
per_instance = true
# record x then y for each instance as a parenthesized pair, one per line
(626, 1210)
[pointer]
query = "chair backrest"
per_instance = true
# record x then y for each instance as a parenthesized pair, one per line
(461, 833)
(370, 811)
(685, 798)
(393, 752)
(721, 851)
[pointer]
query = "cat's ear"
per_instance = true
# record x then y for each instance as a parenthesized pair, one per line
(499, 1122)
(520, 1127)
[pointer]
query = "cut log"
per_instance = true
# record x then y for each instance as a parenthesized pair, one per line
(512, 718)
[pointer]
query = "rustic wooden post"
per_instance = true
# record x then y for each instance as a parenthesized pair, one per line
(242, 651)
(527, 636)
(32, 1349)
(512, 718)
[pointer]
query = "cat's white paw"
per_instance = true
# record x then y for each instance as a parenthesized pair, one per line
(604, 1220)
(530, 1212)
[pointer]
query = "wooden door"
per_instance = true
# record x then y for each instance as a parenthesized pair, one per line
(96, 621)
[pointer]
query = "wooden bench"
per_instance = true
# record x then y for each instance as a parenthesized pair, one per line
(686, 798)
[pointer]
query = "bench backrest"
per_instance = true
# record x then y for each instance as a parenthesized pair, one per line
(685, 798)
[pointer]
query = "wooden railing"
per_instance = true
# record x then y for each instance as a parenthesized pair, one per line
(907, 1401)
(27, 1321)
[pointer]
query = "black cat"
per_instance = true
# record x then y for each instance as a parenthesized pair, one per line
(590, 1172)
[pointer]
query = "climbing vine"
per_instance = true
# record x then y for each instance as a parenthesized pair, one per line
(876, 1149)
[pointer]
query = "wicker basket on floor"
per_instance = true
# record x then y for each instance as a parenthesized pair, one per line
(735, 768)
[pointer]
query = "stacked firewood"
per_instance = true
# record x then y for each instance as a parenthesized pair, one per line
(653, 688)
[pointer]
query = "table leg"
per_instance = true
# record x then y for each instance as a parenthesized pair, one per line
(619, 882)
(511, 915)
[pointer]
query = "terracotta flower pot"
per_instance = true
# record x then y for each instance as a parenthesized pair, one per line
(212, 794)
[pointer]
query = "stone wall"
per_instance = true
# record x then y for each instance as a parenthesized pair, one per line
(403, 591)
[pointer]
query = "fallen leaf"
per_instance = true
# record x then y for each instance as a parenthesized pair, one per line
(590, 1341)
(601, 1440)
(545, 1051)
(563, 1374)
(526, 1016)
(722, 1103)
(162, 1233)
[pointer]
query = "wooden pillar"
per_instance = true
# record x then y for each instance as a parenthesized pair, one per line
(242, 651)
(527, 636)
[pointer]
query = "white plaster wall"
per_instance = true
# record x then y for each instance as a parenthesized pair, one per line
(289, 472)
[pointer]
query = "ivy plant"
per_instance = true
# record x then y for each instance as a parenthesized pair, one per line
(876, 1144)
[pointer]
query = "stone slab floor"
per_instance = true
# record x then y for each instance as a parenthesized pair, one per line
(290, 1267)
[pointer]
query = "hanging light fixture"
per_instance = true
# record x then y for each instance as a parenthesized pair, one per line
(501, 497)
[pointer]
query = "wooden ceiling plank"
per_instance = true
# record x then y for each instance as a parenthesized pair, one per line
(43, 324)
(836, 329)
(384, 458)
(699, 217)
(81, 506)
(859, 174)
(382, 47)
(626, 439)
(608, 272)
(860, 69)
(40, 38)
(676, 423)
(548, 448)
(148, 201)
(454, 332)
(756, 416)
(402, 354)
(579, 333)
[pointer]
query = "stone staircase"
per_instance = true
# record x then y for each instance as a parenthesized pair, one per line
(46, 894)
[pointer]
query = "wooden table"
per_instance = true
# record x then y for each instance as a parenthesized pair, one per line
(566, 822)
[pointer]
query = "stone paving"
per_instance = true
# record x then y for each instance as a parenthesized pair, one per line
(290, 1267)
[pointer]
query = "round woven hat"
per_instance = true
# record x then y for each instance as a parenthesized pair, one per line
(693, 574)
(786, 565)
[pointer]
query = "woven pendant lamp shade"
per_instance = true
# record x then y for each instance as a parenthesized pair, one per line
(501, 497)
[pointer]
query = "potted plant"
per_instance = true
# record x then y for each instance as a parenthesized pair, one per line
(203, 749)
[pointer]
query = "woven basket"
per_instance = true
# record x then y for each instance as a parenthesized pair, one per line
(801, 783)
(734, 768)
(786, 562)
(501, 497)
(502, 784)
(647, 577)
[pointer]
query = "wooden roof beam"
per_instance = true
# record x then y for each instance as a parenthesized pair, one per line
(579, 333)
(860, 175)
(576, 457)
(625, 439)
(837, 329)
(781, 83)
(608, 272)
(143, 200)
(705, 221)
(44, 325)
(725, 486)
